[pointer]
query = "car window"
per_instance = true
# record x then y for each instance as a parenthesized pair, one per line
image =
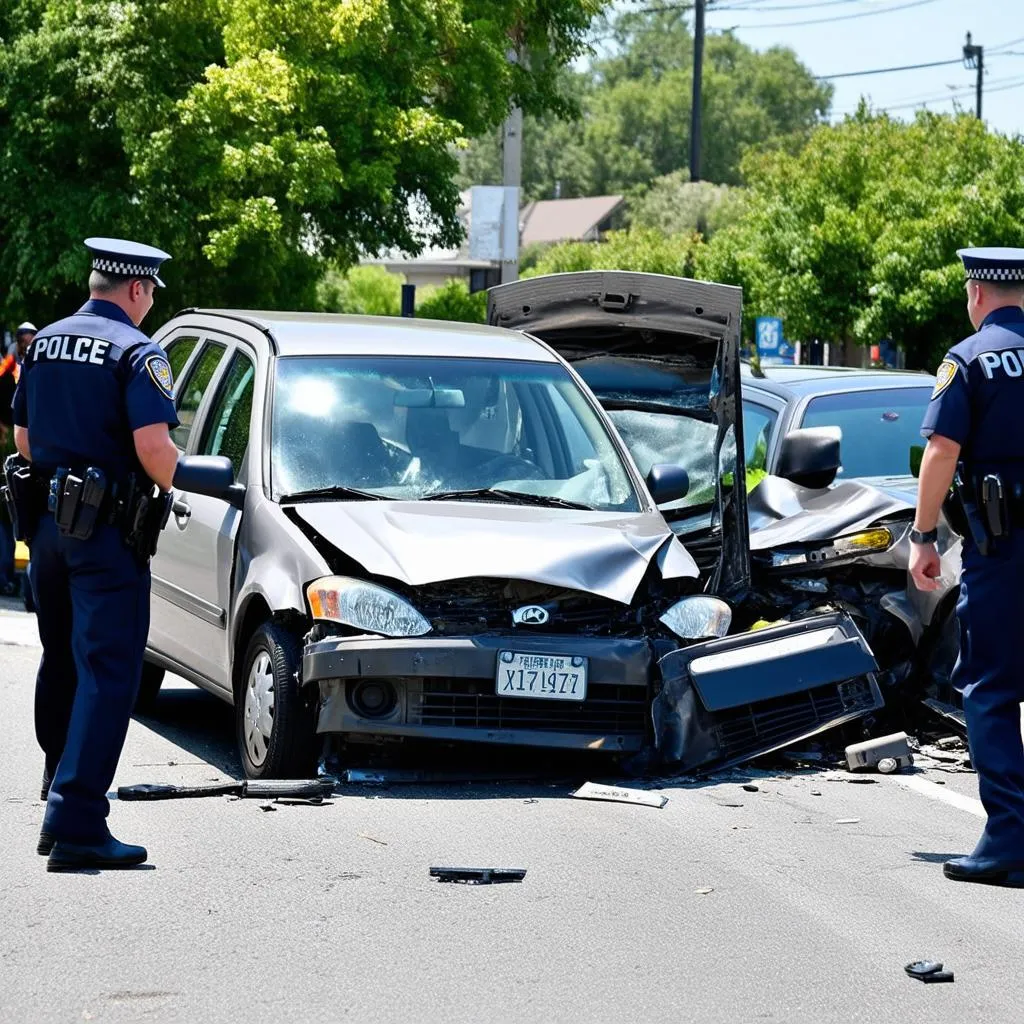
(879, 427)
(177, 355)
(758, 424)
(227, 427)
(190, 394)
(408, 427)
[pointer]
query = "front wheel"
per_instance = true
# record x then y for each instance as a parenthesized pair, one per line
(275, 723)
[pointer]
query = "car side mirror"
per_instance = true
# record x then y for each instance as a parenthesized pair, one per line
(212, 475)
(810, 457)
(667, 482)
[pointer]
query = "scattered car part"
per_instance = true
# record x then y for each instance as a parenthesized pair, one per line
(478, 876)
(886, 754)
(257, 788)
(928, 971)
(619, 794)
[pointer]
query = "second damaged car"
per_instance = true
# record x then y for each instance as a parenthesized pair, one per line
(662, 356)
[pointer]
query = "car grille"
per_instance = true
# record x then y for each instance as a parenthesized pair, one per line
(756, 727)
(608, 708)
(465, 607)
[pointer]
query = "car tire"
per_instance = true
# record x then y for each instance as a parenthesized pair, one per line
(275, 723)
(149, 686)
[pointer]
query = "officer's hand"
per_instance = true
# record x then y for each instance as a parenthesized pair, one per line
(925, 566)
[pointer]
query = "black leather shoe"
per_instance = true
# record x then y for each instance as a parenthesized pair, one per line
(45, 844)
(111, 854)
(44, 792)
(985, 872)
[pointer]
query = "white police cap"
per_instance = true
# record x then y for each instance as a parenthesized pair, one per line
(26, 328)
(129, 259)
(994, 263)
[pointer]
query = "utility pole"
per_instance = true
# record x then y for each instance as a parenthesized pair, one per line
(512, 168)
(698, 73)
(974, 57)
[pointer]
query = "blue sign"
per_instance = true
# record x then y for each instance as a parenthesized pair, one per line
(772, 346)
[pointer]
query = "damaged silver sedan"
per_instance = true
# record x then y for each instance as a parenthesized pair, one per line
(436, 533)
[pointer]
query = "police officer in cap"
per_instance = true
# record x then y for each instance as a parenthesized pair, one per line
(975, 422)
(94, 403)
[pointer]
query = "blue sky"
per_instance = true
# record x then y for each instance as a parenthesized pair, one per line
(868, 34)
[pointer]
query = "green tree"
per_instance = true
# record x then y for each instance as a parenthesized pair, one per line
(453, 301)
(255, 140)
(635, 105)
(675, 205)
(368, 290)
(854, 239)
(638, 249)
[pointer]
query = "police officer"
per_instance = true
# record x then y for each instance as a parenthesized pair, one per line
(94, 400)
(975, 420)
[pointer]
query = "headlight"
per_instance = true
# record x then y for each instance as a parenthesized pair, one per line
(364, 606)
(694, 618)
(868, 542)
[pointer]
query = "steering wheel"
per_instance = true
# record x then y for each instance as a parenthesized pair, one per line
(509, 466)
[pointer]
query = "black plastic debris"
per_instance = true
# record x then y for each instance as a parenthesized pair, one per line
(751, 788)
(272, 789)
(928, 971)
(478, 876)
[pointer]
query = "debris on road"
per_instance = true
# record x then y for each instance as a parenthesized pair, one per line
(478, 876)
(267, 807)
(703, 892)
(397, 776)
(886, 754)
(619, 794)
(373, 839)
(751, 788)
(301, 801)
(928, 971)
(950, 743)
(847, 821)
(254, 788)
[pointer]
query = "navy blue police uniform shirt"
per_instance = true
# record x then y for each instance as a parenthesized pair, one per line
(86, 383)
(978, 399)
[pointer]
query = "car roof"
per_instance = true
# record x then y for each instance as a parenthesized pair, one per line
(799, 381)
(306, 334)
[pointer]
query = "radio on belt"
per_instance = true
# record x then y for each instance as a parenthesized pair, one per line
(886, 754)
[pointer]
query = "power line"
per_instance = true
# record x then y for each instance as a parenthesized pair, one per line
(999, 85)
(882, 71)
(838, 17)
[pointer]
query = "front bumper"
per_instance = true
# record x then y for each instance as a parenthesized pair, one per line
(445, 689)
(713, 703)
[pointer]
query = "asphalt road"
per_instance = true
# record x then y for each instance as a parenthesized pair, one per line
(327, 913)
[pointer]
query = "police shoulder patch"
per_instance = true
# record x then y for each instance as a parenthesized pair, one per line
(159, 371)
(944, 376)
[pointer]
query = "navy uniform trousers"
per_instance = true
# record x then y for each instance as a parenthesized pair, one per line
(990, 672)
(92, 605)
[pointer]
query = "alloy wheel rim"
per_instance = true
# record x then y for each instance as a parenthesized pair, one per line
(258, 713)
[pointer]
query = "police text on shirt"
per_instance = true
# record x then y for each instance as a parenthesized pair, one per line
(67, 349)
(1009, 360)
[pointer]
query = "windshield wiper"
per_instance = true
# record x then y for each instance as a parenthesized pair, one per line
(508, 497)
(335, 491)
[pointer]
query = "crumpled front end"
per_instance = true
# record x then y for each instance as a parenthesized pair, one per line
(728, 700)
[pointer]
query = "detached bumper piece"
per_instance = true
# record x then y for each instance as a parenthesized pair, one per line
(729, 700)
(444, 688)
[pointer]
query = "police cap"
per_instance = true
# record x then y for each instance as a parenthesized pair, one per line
(993, 264)
(129, 259)
(25, 328)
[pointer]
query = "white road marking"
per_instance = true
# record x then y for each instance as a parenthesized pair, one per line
(940, 793)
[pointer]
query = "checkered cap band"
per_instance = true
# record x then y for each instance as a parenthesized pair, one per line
(125, 269)
(996, 273)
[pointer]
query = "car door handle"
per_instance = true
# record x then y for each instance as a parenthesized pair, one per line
(182, 510)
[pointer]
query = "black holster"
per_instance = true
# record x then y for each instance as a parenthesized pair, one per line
(24, 496)
(80, 502)
(147, 511)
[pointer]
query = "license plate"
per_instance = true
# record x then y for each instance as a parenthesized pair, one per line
(548, 676)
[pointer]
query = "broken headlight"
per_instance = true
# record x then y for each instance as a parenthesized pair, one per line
(695, 618)
(364, 605)
(867, 542)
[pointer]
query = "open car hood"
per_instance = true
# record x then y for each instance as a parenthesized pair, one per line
(614, 322)
(603, 553)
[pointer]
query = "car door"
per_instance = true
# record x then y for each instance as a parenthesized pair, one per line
(192, 567)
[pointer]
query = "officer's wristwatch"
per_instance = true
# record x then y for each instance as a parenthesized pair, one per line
(917, 537)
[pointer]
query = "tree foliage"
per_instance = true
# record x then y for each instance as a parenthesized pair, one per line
(637, 249)
(855, 238)
(675, 205)
(636, 103)
(253, 139)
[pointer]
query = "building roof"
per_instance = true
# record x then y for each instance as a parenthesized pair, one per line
(559, 220)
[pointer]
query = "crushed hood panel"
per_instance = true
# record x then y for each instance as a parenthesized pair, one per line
(602, 553)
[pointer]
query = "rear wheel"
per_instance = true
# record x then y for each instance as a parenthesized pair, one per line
(275, 723)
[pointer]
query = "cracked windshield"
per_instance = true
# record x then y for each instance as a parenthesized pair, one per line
(414, 428)
(663, 411)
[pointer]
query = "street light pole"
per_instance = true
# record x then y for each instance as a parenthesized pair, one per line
(974, 57)
(698, 73)
(512, 167)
